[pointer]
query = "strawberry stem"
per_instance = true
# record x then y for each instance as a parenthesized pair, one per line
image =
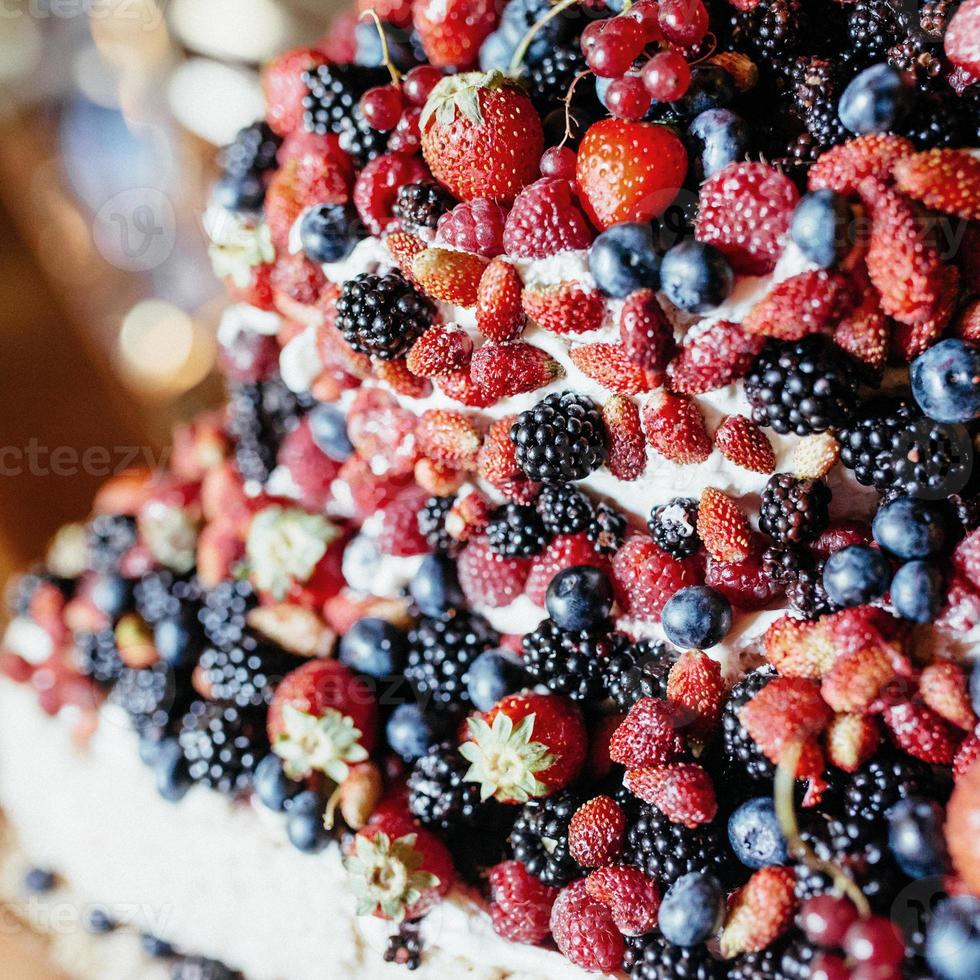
(385, 54)
(518, 59)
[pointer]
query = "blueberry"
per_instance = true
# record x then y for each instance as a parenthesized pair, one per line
(158, 949)
(497, 51)
(170, 768)
(110, 594)
(711, 88)
(492, 676)
(272, 786)
(953, 939)
(717, 137)
(697, 617)
(696, 277)
(100, 923)
(304, 823)
(821, 227)
(622, 259)
(692, 909)
(374, 647)
(369, 51)
(875, 100)
(579, 597)
(242, 193)
(910, 528)
(975, 686)
(915, 836)
(39, 881)
(435, 586)
(519, 16)
(411, 732)
(918, 591)
(328, 232)
(328, 427)
(178, 639)
(856, 575)
(946, 381)
(755, 834)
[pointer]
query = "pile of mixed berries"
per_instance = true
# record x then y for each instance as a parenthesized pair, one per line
(808, 809)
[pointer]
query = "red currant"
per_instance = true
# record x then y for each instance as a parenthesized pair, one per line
(827, 967)
(684, 22)
(558, 161)
(826, 918)
(382, 106)
(666, 76)
(875, 942)
(419, 82)
(407, 138)
(611, 47)
(627, 98)
(647, 14)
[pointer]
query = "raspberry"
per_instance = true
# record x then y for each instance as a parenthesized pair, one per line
(645, 577)
(564, 551)
(745, 583)
(584, 930)
(520, 904)
(595, 834)
(713, 358)
(545, 220)
(632, 896)
(400, 535)
(487, 578)
(474, 226)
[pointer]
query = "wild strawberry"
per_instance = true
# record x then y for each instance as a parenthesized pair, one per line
(723, 527)
(864, 331)
(967, 325)
(219, 550)
(296, 278)
(810, 302)
(966, 558)
(745, 211)
(961, 40)
(860, 627)
(682, 791)
(383, 432)
(437, 479)
(645, 332)
(609, 365)
(626, 452)
(584, 930)
(564, 551)
(966, 755)
(903, 261)
(481, 136)
(628, 171)
(649, 735)
(469, 516)
(526, 747)
(759, 912)
(284, 89)
(944, 687)
(962, 815)
(311, 470)
(842, 168)
(645, 577)
(404, 247)
(497, 458)
(396, 869)
(448, 437)
(696, 690)
(922, 733)
(944, 180)
(596, 832)
(504, 370)
(745, 444)
(453, 277)
(452, 32)
(397, 376)
(713, 358)
(962, 609)
(499, 313)
(745, 583)
(909, 340)
(376, 188)
(564, 308)
(632, 897)
(490, 579)
(475, 226)
(814, 456)
(545, 220)
(856, 678)
(399, 534)
(459, 386)
(851, 740)
(800, 647)
(323, 718)
(439, 350)
(520, 904)
(674, 427)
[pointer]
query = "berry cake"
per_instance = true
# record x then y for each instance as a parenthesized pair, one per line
(583, 575)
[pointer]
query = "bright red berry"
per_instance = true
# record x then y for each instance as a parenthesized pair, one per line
(558, 161)
(826, 918)
(488, 578)
(685, 22)
(666, 76)
(595, 834)
(628, 98)
(546, 219)
(611, 45)
(647, 14)
(475, 226)
(382, 106)
(407, 138)
(451, 31)
(377, 188)
(875, 942)
(520, 904)
(419, 82)
(632, 897)
(584, 930)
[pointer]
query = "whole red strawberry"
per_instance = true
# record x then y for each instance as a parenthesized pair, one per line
(481, 136)
(451, 31)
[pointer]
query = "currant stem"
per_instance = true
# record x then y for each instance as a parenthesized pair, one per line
(568, 105)
(518, 59)
(385, 55)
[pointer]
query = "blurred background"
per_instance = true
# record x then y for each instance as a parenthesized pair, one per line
(110, 114)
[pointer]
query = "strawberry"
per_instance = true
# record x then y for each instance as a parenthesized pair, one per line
(489, 579)
(399, 534)
(469, 516)
(377, 185)
(451, 31)
(800, 647)
(439, 350)
(814, 456)
(810, 302)
(596, 832)
(504, 370)
(628, 171)
(453, 277)
(438, 479)
(759, 912)
(546, 220)
(284, 89)
(842, 168)
(722, 526)
(696, 690)
(481, 136)
(584, 930)
(966, 755)
(674, 427)
(744, 443)
(962, 817)
(397, 376)
(526, 747)
(922, 733)
(864, 331)
(311, 470)
(632, 897)
(966, 558)
(856, 629)
(856, 678)
(943, 686)
(323, 718)
(645, 332)
(962, 40)
(520, 904)
(448, 437)
(475, 226)
(962, 610)
(383, 432)
(968, 322)
(626, 452)
(851, 740)
(645, 577)
(908, 341)
(745, 210)
(564, 308)
(459, 386)
(649, 735)
(564, 551)
(609, 365)
(397, 12)
(941, 179)
(682, 791)
(404, 247)
(496, 461)
(713, 358)
(396, 869)
(499, 313)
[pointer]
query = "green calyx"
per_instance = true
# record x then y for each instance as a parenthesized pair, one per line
(387, 874)
(460, 94)
(327, 744)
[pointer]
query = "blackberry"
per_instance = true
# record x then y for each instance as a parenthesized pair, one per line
(561, 438)
(539, 838)
(936, 121)
(382, 315)
(935, 15)
(823, 124)
(607, 529)
(772, 31)
(807, 595)
(792, 509)
(437, 792)
(564, 509)
(673, 526)
(222, 745)
(419, 206)
(98, 656)
(109, 537)
(432, 524)
(224, 612)
(245, 673)
(783, 563)
(260, 414)
(877, 786)
(919, 55)
(161, 594)
(21, 589)
(570, 662)
(966, 510)
(405, 945)
(152, 697)
(516, 531)
(333, 92)
(874, 26)
(252, 151)
(638, 670)
(788, 958)
(551, 78)
(440, 653)
(813, 80)
(361, 140)
(653, 958)
(802, 387)
(744, 758)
